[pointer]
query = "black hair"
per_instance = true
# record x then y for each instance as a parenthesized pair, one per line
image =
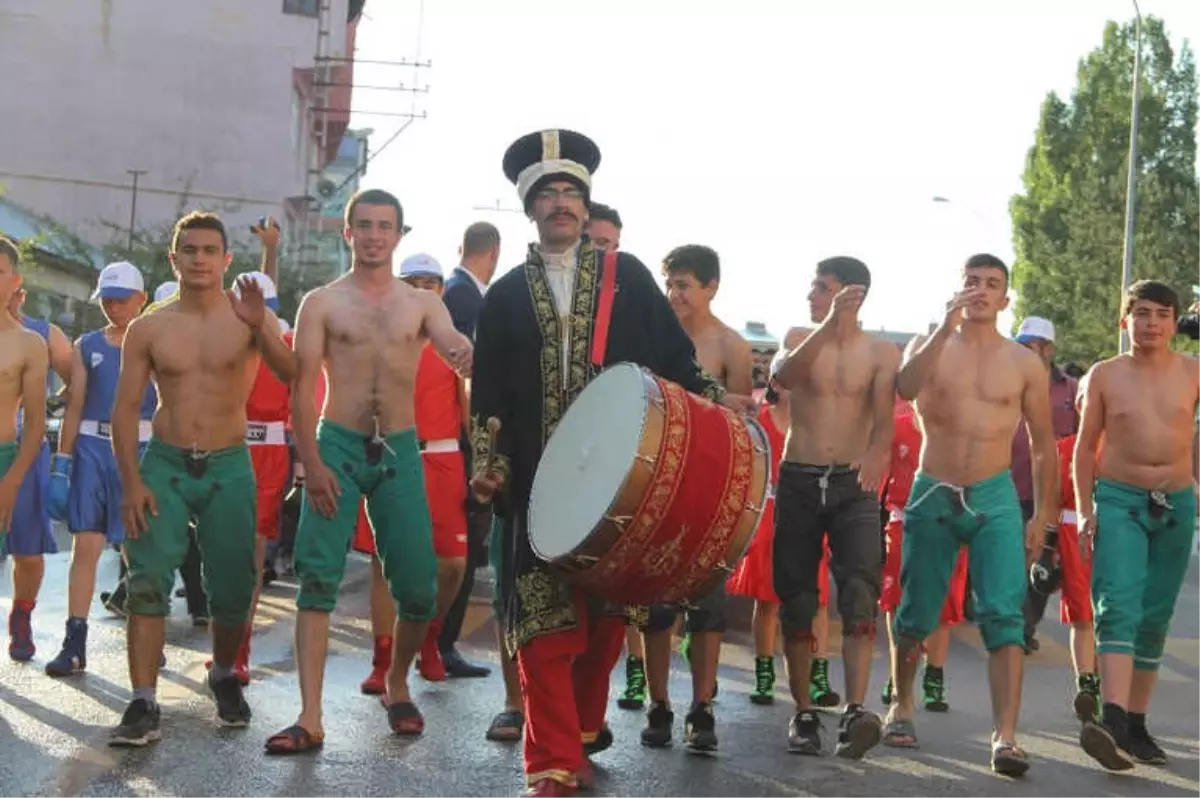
(846, 270)
(9, 248)
(700, 261)
(375, 196)
(199, 220)
(983, 260)
(604, 213)
(1151, 291)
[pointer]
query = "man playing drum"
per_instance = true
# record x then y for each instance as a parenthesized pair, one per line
(971, 386)
(542, 330)
(838, 445)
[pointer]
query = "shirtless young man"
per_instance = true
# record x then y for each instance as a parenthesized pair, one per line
(367, 330)
(1143, 502)
(24, 361)
(971, 386)
(842, 382)
(202, 351)
(693, 274)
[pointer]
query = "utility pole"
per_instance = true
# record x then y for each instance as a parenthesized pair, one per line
(133, 208)
(497, 208)
(1131, 185)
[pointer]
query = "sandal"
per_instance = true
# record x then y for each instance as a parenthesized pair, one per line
(900, 733)
(1008, 759)
(294, 740)
(405, 719)
(507, 727)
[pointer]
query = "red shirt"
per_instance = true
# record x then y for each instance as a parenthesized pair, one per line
(775, 438)
(270, 399)
(906, 456)
(436, 405)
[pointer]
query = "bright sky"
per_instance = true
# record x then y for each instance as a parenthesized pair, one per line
(778, 132)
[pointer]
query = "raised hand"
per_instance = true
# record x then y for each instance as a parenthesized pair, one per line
(848, 300)
(248, 303)
(267, 231)
(958, 304)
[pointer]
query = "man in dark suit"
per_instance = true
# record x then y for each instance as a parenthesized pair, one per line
(463, 294)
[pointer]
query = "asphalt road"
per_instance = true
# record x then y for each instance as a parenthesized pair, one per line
(53, 733)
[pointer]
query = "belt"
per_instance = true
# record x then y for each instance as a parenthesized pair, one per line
(266, 433)
(896, 515)
(1068, 517)
(834, 470)
(103, 429)
(441, 446)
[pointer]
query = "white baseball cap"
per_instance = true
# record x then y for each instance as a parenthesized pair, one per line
(421, 265)
(169, 288)
(119, 280)
(269, 292)
(1035, 328)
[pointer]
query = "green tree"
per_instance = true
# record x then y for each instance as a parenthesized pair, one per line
(1068, 225)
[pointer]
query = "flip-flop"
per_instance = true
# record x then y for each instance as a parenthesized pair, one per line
(1008, 759)
(900, 733)
(405, 719)
(294, 740)
(507, 727)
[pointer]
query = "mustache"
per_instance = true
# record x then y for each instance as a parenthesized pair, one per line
(562, 215)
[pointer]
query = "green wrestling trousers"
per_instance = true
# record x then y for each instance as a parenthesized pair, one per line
(217, 489)
(389, 473)
(1141, 553)
(939, 520)
(8, 454)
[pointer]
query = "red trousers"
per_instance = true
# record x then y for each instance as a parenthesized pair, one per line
(565, 677)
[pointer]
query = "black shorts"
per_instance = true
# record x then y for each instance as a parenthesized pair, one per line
(707, 614)
(811, 501)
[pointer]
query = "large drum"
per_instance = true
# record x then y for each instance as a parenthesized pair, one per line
(647, 493)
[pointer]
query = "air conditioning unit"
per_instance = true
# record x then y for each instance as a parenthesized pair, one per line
(326, 188)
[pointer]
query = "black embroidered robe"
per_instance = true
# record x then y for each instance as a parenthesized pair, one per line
(519, 379)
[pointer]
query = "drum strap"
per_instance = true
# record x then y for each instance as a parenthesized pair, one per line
(608, 289)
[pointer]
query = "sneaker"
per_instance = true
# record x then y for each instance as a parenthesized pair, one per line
(1144, 748)
(20, 632)
(804, 733)
(232, 709)
(1087, 698)
(201, 619)
(139, 726)
(764, 681)
(73, 657)
(634, 696)
(889, 693)
(1106, 744)
(659, 721)
(603, 742)
(858, 732)
(700, 729)
(114, 602)
(819, 691)
(934, 685)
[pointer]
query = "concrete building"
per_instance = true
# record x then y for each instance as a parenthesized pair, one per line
(210, 100)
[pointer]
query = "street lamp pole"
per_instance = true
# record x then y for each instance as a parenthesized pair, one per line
(133, 206)
(1131, 186)
(497, 208)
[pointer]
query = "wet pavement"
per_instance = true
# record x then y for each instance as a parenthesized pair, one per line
(53, 732)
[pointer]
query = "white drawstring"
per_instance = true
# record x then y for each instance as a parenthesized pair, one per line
(959, 491)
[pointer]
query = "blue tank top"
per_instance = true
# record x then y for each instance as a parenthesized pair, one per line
(102, 361)
(42, 328)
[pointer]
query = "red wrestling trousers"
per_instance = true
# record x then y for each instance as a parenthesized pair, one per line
(565, 677)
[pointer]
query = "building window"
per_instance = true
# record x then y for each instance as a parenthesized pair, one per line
(303, 8)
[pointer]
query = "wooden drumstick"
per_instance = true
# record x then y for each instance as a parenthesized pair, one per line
(493, 428)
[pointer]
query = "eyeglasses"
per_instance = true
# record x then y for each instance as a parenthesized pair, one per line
(556, 193)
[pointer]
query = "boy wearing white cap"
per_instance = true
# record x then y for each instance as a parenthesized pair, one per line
(439, 404)
(85, 488)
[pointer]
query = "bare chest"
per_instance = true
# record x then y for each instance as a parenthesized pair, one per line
(1133, 408)
(966, 385)
(375, 329)
(842, 370)
(216, 347)
(710, 353)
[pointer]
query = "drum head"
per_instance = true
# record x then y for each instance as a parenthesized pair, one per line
(586, 461)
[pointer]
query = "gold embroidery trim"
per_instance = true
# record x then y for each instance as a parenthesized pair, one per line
(481, 449)
(546, 605)
(551, 352)
(561, 776)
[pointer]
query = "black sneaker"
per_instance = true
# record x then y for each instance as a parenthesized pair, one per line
(934, 687)
(700, 729)
(1144, 748)
(1087, 698)
(1106, 745)
(603, 741)
(858, 732)
(232, 709)
(659, 721)
(804, 733)
(139, 726)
